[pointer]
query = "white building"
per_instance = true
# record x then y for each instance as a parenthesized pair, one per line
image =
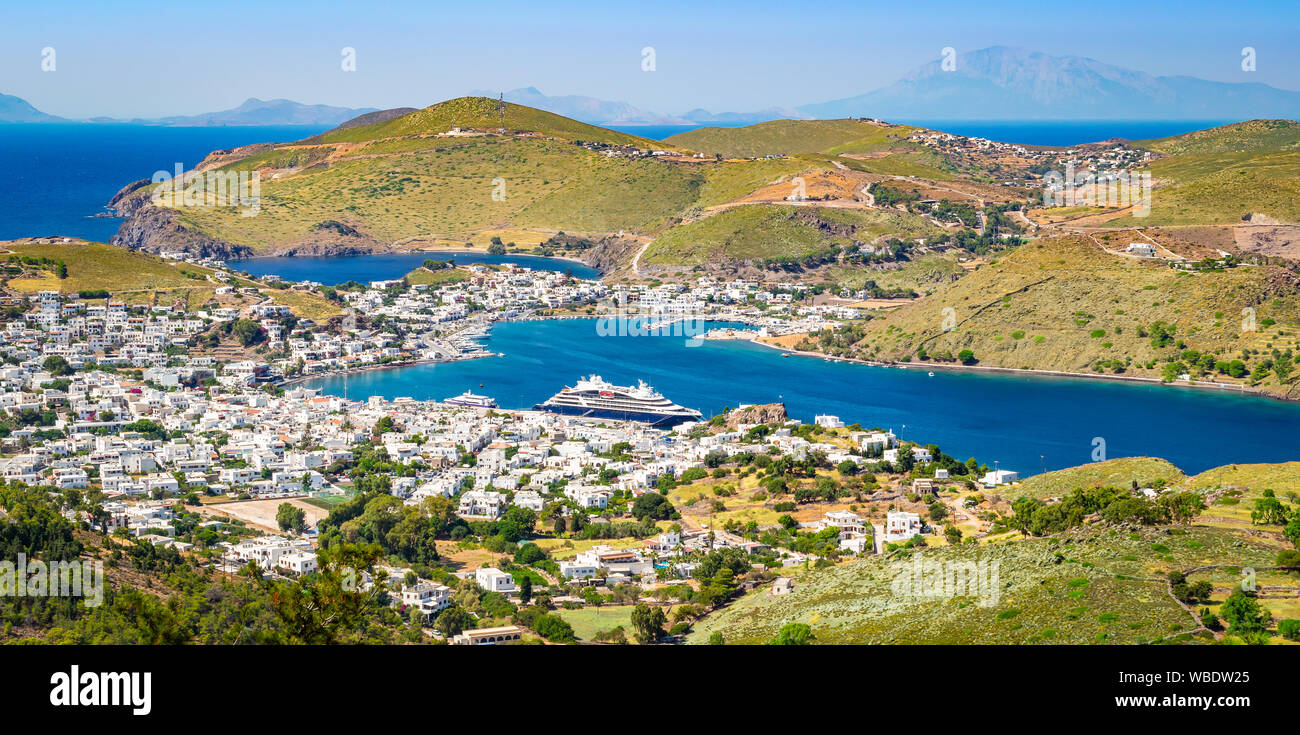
(494, 580)
(901, 526)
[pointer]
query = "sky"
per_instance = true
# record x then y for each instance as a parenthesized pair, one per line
(135, 59)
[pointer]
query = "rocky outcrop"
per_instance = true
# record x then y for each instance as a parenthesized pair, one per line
(155, 229)
(767, 413)
(611, 253)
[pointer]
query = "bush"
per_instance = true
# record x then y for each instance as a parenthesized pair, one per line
(553, 628)
(1289, 628)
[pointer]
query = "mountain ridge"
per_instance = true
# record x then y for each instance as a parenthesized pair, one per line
(1005, 83)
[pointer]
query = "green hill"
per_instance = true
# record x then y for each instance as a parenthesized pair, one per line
(1252, 135)
(453, 192)
(1220, 175)
(1088, 585)
(760, 231)
(1121, 472)
(786, 137)
(1064, 304)
(1091, 583)
(481, 113)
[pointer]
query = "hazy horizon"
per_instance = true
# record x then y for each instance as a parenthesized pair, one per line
(155, 61)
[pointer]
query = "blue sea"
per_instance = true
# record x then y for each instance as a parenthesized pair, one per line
(1032, 132)
(1025, 423)
(62, 174)
(331, 271)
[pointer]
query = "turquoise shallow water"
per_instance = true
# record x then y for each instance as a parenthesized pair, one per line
(1026, 423)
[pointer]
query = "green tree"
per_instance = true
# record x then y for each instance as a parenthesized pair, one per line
(57, 366)
(291, 518)
(453, 621)
(654, 507)
(1243, 614)
(793, 634)
(648, 623)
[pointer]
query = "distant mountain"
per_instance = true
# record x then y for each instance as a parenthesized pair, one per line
(604, 112)
(18, 110)
(585, 109)
(746, 118)
(1001, 83)
(377, 116)
(266, 112)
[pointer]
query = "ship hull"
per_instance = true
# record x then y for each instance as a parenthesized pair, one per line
(652, 419)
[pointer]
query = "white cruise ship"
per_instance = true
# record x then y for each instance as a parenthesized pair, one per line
(593, 397)
(470, 399)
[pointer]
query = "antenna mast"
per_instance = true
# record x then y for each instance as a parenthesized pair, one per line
(501, 113)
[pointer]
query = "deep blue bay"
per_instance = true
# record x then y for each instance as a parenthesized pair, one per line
(1013, 419)
(331, 271)
(64, 173)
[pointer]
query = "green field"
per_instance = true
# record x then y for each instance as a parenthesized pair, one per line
(589, 621)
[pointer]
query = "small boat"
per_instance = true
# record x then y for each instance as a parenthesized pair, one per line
(931, 373)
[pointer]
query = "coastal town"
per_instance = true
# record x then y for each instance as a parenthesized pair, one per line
(237, 462)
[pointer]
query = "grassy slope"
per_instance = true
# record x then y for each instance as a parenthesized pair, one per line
(449, 194)
(96, 265)
(772, 230)
(785, 137)
(1059, 291)
(480, 113)
(1107, 586)
(135, 277)
(925, 275)
(423, 276)
(1111, 473)
(1219, 175)
(1103, 573)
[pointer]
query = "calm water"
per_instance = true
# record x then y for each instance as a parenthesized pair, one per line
(1031, 132)
(1066, 132)
(1008, 418)
(365, 268)
(60, 175)
(660, 132)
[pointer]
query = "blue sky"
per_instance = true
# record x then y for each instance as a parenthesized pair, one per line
(129, 58)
